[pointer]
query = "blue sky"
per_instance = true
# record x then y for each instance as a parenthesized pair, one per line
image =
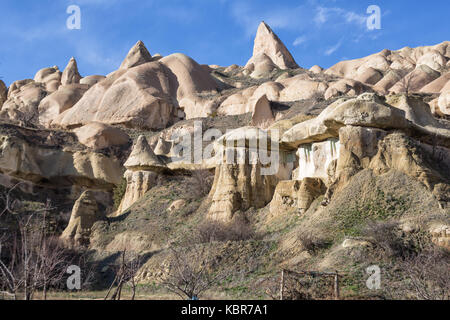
(33, 34)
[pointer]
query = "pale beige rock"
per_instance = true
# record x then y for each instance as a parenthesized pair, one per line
(138, 183)
(415, 80)
(59, 101)
(23, 101)
(262, 112)
(231, 68)
(51, 77)
(142, 157)
(444, 103)
(351, 243)
(316, 69)
(267, 43)
(440, 234)
(368, 75)
(57, 166)
(85, 213)
(99, 136)
(237, 103)
(239, 183)
(176, 205)
(145, 96)
(432, 59)
(390, 79)
(70, 74)
(299, 87)
(366, 110)
(91, 80)
(3, 93)
(345, 87)
(437, 85)
(261, 66)
(137, 55)
(295, 194)
(164, 147)
(136, 97)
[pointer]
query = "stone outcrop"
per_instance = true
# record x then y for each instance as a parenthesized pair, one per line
(86, 211)
(422, 64)
(295, 194)
(51, 77)
(137, 55)
(3, 93)
(23, 100)
(239, 181)
(59, 101)
(269, 53)
(143, 168)
(99, 136)
(262, 112)
(369, 133)
(145, 96)
(70, 74)
(57, 166)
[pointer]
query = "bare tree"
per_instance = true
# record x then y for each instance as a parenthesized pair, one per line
(125, 273)
(193, 271)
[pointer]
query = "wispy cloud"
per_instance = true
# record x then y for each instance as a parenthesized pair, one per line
(333, 49)
(299, 40)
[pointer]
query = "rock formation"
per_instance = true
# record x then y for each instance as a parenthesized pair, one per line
(70, 74)
(143, 168)
(269, 53)
(86, 211)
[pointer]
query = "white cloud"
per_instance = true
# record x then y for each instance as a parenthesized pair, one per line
(299, 40)
(333, 49)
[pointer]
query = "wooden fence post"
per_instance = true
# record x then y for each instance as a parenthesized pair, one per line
(336, 286)
(282, 284)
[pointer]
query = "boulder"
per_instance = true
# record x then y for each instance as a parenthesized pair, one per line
(316, 69)
(440, 235)
(142, 157)
(99, 136)
(390, 79)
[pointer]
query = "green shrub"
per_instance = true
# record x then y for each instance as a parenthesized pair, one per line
(119, 192)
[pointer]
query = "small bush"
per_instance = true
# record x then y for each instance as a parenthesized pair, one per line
(119, 192)
(201, 183)
(313, 243)
(238, 230)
